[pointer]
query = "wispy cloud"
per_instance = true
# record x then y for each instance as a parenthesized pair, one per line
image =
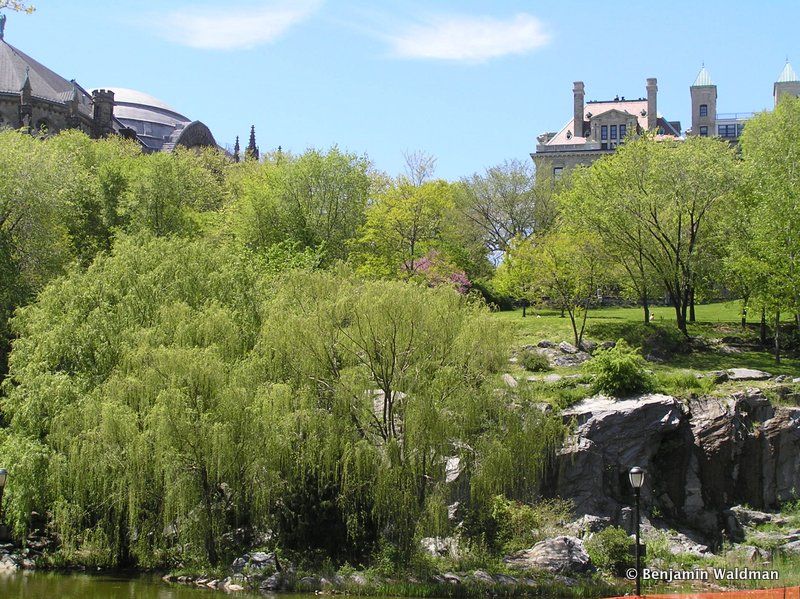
(469, 38)
(233, 28)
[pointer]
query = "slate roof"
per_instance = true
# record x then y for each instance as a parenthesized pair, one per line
(15, 66)
(634, 107)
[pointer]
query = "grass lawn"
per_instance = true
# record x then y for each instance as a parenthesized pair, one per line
(713, 321)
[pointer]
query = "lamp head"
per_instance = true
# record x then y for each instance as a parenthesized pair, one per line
(636, 476)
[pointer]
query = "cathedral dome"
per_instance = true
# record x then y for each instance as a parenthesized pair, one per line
(154, 121)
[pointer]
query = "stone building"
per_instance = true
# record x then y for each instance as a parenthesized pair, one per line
(598, 127)
(34, 98)
(706, 121)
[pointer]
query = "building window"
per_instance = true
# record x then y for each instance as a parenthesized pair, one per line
(703, 131)
(703, 109)
(613, 132)
(731, 131)
(557, 170)
(604, 132)
(622, 131)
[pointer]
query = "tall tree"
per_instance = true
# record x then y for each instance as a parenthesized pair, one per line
(770, 254)
(565, 268)
(655, 205)
(316, 200)
(402, 225)
(506, 202)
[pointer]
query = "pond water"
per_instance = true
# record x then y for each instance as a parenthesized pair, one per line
(50, 585)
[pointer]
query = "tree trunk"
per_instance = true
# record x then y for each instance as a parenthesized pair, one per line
(574, 328)
(646, 307)
(763, 332)
(210, 541)
(524, 308)
(745, 302)
(778, 337)
(691, 305)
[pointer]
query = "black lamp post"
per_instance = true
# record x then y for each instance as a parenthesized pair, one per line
(3, 477)
(636, 476)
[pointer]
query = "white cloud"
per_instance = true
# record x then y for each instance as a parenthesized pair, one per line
(470, 39)
(226, 28)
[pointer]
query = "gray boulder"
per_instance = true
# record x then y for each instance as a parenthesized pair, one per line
(567, 348)
(273, 583)
(482, 577)
(575, 359)
(748, 517)
(560, 555)
(747, 374)
(440, 546)
(587, 525)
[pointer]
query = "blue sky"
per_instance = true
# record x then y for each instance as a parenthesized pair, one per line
(471, 82)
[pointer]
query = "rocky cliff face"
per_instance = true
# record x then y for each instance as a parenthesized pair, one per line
(702, 457)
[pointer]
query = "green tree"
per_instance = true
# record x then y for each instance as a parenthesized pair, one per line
(565, 268)
(655, 205)
(402, 225)
(505, 203)
(178, 393)
(769, 256)
(316, 200)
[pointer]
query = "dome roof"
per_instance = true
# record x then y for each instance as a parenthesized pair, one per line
(132, 96)
(139, 106)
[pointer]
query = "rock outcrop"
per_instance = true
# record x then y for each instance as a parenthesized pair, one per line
(701, 457)
(560, 555)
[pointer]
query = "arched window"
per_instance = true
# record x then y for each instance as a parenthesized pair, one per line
(703, 109)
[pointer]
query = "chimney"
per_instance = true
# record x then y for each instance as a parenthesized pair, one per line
(652, 106)
(577, 109)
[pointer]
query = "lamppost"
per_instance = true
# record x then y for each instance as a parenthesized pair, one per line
(636, 476)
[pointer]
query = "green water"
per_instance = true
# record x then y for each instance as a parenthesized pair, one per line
(48, 585)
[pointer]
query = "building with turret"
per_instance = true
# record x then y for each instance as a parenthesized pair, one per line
(706, 121)
(36, 99)
(597, 128)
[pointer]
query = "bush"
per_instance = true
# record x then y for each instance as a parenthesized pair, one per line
(534, 361)
(619, 370)
(504, 525)
(683, 383)
(610, 549)
(660, 340)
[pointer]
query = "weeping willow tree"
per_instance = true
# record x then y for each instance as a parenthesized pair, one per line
(177, 398)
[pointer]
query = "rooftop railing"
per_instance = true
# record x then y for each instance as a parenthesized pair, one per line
(735, 116)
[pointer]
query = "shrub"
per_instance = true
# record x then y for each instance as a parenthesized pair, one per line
(610, 549)
(619, 370)
(506, 525)
(534, 361)
(683, 383)
(660, 340)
